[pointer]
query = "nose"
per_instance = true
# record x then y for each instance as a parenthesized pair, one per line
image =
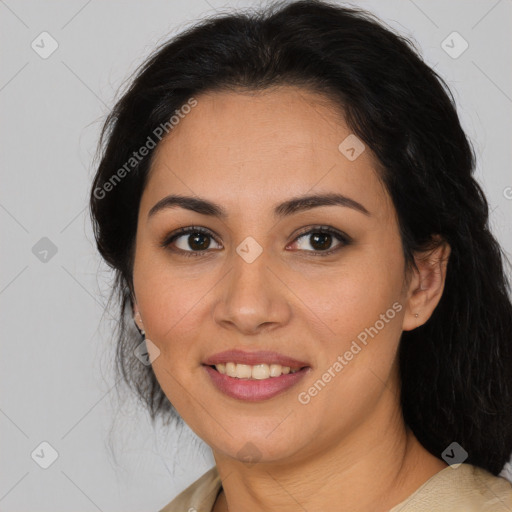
(252, 297)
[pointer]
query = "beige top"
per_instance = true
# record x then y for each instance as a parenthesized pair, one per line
(465, 488)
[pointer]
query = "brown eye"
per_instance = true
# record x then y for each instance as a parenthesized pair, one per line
(319, 241)
(190, 241)
(197, 241)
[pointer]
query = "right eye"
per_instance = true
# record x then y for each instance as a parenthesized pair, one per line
(189, 241)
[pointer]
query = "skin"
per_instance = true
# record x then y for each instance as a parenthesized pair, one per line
(348, 445)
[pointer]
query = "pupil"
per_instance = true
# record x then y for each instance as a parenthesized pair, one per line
(323, 237)
(198, 238)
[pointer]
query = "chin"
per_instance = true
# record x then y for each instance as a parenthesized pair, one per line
(250, 447)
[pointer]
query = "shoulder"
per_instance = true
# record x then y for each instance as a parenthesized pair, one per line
(199, 496)
(465, 488)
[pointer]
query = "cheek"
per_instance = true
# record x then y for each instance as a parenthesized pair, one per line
(172, 313)
(345, 300)
(167, 300)
(358, 310)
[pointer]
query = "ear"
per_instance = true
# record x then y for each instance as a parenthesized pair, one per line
(426, 284)
(137, 318)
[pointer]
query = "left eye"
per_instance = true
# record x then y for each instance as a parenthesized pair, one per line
(321, 241)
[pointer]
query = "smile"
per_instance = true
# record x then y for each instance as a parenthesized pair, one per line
(254, 376)
(257, 371)
(255, 389)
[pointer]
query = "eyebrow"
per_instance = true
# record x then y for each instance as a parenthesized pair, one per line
(289, 207)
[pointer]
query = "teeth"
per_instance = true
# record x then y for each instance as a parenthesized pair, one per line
(257, 371)
(243, 371)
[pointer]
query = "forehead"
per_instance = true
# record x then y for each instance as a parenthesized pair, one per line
(237, 147)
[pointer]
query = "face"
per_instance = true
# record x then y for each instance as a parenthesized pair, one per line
(322, 284)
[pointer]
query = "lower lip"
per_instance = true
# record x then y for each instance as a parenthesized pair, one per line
(253, 390)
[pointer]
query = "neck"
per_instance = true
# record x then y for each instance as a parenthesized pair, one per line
(373, 469)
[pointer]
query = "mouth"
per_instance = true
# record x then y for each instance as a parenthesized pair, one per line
(254, 372)
(254, 376)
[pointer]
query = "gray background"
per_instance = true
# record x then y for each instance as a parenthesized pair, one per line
(57, 383)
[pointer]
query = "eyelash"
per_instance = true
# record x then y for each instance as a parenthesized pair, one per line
(325, 230)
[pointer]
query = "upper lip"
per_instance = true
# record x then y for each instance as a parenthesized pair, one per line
(252, 358)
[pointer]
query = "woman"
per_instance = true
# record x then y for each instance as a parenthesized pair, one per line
(287, 201)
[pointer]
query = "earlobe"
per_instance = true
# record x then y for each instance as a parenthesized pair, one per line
(138, 319)
(426, 285)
